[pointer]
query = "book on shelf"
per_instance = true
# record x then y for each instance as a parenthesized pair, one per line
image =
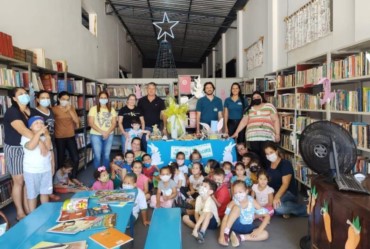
(73, 226)
(284, 81)
(286, 120)
(47, 244)
(49, 82)
(90, 88)
(286, 100)
(6, 45)
(6, 190)
(355, 65)
(40, 55)
(73, 209)
(104, 221)
(311, 76)
(362, 165)
(110, 238)
(60, 65)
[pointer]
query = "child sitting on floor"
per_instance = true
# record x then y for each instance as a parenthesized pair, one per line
(63, 184)
(166, 192)
(180, 160)
(122, 167)
(254, 167)
(263, 193)
(239, 217)
(210, 168)
(129, 183)
(142, 181)
(102, 182)
(226, 166)
(149, 168)
(222, 194)
(195, 157)
(206, 214)
(240, 175)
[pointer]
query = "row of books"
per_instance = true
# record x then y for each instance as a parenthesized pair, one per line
(283, 81)
(356, 101)
(269, 85)
(286, 120)
(311, 76)
(5, 103)
(92, 88)
(271, 99)
(302, 172)
(90, 102)
(303, 121)
(11, 77)
(3, 168)
(117, 104)
(285, 142)
(6, 45)
(80, 140)
(362, 165)
(125, 91)
(286, 100)
(248, 88)
(358, 130)
(309, 101)
(354, 65)
(6, 190)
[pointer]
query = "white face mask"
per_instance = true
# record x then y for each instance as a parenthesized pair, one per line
(272, 157)
(203, 191)
(64, 102)
(227, 172)
(103, 101)
(180, 162)
(165, 178)
(127, 186)
(240, 196)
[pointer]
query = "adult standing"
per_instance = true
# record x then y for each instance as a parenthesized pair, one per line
(152, 107)
(125, 116)
(281, 175)
(15, 126)
(234, 107)
(262, 121)
(209, 107)
(66, 121)
(102, 120)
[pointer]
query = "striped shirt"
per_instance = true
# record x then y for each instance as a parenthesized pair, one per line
(260, 126)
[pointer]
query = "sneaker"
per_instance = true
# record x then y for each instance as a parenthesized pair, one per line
(235, 239)
(200, 237)
(227, 238)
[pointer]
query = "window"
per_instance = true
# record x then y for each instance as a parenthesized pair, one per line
(89, 21)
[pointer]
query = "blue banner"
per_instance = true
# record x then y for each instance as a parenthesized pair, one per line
(164, 152)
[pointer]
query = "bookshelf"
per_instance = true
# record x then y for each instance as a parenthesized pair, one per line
(13, 73)
(251, 85)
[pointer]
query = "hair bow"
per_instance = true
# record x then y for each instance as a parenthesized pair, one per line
(101, 168)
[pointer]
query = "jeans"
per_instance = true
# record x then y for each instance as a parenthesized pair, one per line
(123, 141)
(143, 139)
(290, 205)
(101, 148)
(70, 145)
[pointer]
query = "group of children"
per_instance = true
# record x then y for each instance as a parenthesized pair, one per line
(217, 195)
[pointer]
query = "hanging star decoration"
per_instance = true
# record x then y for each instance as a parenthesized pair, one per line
(164, 26)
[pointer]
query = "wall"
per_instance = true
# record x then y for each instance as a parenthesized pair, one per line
(56, 27)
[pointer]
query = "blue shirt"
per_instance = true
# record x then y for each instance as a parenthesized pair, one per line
(235, 108)
(276, 176)
(209, 109)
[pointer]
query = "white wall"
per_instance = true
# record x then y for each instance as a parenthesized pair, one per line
(149, 72)
(56, 27)
(231, 43)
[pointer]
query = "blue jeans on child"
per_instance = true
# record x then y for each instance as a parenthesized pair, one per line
(101, 149)
(290, 205)
(123, 141)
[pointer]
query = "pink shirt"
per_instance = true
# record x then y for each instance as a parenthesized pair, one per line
(141, 181)
(98, 185)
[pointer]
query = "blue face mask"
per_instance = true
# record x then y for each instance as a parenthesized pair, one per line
(103, 101)
(24, 99)
(196, 161)
(118, 162)
(147, 165)
(45, 102)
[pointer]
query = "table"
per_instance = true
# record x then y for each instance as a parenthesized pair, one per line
(342, 206)
(32, 229)
(164, 152)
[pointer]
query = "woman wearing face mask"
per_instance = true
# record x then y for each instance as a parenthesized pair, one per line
(66, 121)
(281, 174)
(262, 121)
(15, 126)
(102, 119)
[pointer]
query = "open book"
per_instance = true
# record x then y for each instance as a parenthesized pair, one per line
(73, 226)
(73, 209)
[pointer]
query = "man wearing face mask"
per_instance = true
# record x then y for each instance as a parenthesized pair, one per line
(222, 194)
(209, 107)
(262, 121)
(66, 121)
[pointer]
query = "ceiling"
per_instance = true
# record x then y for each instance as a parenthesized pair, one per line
(201, 23)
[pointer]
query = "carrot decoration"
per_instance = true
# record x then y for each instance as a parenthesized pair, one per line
(314, 195)
(327, 221)
(309, 202)
(353, 234)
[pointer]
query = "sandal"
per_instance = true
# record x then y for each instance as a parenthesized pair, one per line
(235, 239)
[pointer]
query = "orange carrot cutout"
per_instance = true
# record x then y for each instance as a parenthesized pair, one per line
(327, 221)
(314, 195)
(353, 234)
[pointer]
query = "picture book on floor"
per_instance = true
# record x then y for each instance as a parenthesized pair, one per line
(110, 238)
(46, 244)
(104, 221)
(73, 209)
(73, 226)
(103, 208)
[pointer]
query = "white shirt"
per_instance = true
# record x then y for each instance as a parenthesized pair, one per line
(178, 177)
(184, 169)
(196, 183)
(140, 203)
(262, 197)
(33, 161)
(207, 206)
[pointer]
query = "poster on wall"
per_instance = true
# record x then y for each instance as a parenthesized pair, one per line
(255, 54)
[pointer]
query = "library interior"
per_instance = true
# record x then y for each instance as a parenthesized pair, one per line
(184, 124)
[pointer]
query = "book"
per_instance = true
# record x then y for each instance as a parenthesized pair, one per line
(46, 244)
(73, 226)
(110, 238)
(101, 193)
(73, 209)
(104, 222)
(118, 197)
(82, 244)
(103, 208)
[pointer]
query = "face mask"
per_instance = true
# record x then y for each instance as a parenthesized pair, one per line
(24, 99)
(118, 162)
(196, 161)
(254, 168)
(207, 169)
(219, 184)
(45, 102)
(64, 102)
(227, 172)
(165, 178)
(103, 101)
(256, 101)
(180, 162)
(147, 165)
(240, 196)
(127, 186)
(203, 191)
(104, 178)
(272, 157)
